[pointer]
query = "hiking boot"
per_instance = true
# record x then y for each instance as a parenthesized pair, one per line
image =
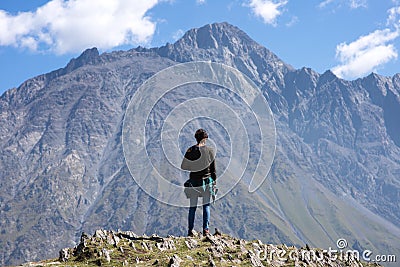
(192, 233)
(206, 232)
(217, 232)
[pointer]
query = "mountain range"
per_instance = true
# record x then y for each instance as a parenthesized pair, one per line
(335, 175)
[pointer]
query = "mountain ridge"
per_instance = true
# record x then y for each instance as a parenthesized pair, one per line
(61, 153)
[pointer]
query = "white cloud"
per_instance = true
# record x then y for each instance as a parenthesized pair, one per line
(325, 3)
(371, 51)
(393, 19)
(200, 2)
(293, 21)
(365, 54)
(353, 4)
(268, 10)
(64, 26)
(358, 3)
(178, 34)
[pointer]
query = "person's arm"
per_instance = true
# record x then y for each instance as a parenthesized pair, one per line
(213, 170)
(213, 164)
(187, 160)
(185, 165)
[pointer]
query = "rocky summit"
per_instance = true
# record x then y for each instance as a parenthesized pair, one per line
(335, 174)
(125, 248)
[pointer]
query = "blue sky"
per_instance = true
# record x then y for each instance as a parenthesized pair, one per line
(351, 37)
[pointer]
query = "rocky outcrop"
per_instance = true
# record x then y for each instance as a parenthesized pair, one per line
(113, 248)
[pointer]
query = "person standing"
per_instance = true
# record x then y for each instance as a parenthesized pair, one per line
(200, 161)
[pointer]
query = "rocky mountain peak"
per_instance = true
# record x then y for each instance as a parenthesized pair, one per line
(328, 76)
(216, 35)
(217, 42)
(89, 56)
(225, 43)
